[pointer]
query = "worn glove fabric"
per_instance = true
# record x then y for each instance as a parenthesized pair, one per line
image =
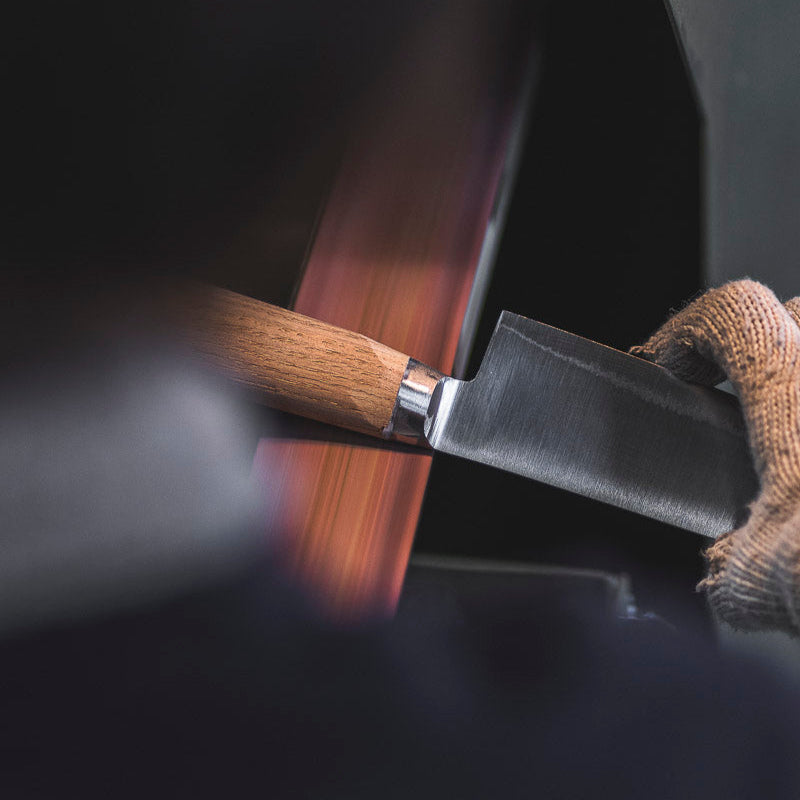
(742, 331)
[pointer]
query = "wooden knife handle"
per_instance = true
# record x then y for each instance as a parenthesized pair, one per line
(292, 362)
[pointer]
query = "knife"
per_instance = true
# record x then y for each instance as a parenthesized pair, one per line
(545, 404)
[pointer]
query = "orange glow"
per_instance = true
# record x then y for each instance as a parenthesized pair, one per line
(394, 258)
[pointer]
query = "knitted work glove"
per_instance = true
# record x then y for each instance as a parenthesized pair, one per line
(742, 331)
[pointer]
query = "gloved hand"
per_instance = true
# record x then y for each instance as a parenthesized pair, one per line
(742, 331)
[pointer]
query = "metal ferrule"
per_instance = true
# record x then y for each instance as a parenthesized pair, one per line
(413, 398)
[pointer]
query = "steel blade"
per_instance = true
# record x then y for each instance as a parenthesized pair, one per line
(598, 422)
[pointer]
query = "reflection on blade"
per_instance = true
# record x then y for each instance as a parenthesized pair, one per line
(581, 416)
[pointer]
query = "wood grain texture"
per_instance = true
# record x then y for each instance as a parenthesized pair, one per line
(292, 362)
(394, 258)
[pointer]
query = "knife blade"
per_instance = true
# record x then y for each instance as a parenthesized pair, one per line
(545, 403)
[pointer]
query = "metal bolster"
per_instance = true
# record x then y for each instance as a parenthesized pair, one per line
(407, 423)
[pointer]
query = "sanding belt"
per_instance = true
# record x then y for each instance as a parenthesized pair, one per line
(743, 332)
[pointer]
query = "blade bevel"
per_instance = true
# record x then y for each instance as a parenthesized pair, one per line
(572, 413)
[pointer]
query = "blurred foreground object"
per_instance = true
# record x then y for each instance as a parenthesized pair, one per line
(125, 479)
(743, 332)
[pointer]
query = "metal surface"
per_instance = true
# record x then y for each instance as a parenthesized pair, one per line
(561, 409)
(742, 57)
(413, 400)
(497, 219)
